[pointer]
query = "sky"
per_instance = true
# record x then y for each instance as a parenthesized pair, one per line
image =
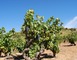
(12, 12)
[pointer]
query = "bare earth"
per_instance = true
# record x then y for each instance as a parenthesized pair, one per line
(67, 52)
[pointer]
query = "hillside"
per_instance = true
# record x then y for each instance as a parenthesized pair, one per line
(67, 52)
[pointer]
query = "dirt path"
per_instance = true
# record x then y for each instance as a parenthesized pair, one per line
(67, 52)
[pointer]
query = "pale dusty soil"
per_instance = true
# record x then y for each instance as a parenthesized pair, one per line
(67, 52)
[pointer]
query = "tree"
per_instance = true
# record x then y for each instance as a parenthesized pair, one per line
(40, 35)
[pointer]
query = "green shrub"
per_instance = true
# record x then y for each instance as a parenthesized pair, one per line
(41, 33)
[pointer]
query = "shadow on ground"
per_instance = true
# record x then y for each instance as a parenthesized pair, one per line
(46, 56)
(68, 45)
